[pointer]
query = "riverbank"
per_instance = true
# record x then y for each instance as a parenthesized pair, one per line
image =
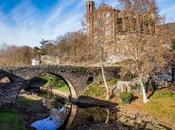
(34, 104)
(10, 119)
(160, 109)
(20, 116)
(31, 109)
(95, 118)
(157, 114)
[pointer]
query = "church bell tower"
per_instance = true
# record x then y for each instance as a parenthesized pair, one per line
(90, 8)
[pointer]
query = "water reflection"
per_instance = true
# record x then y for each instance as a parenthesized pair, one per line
(59, 109)
(53, 122)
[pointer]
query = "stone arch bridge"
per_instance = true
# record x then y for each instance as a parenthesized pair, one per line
(77, 78)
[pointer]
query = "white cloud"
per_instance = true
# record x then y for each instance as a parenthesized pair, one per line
(169, 13)
(58, 10)
(24, 26)
(27, 25)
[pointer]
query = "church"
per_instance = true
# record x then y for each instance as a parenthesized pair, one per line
(105, 25)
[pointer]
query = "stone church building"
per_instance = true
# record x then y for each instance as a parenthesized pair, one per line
(106, 25)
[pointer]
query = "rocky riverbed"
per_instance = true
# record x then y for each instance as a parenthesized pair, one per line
(137, 120)
(32, 112)
(94, 119)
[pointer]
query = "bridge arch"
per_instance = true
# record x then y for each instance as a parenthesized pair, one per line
(69, 84)
(73, 109)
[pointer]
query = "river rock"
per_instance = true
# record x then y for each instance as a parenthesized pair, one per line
(57, 115)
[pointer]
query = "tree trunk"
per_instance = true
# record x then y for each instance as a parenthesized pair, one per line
(105, 83)
(145, 99)
(107, 116)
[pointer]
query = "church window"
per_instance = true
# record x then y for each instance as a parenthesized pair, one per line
(120, 24)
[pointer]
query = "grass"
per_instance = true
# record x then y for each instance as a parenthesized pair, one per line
(10, 120)
(95, 91)
(162, 105)
(63, 87)
(164, 94)
(98, 90)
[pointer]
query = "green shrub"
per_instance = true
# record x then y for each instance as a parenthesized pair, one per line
(126, 97)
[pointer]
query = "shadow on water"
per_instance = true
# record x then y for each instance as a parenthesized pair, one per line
(86, 101)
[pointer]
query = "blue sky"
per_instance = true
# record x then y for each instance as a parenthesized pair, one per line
(26, 22)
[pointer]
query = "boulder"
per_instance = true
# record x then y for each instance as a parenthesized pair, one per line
(58, 115)
(124, 86)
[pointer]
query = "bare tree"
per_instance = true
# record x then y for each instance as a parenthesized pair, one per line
(16, 56)
(146, 44)
(102, 26)
(72, 47)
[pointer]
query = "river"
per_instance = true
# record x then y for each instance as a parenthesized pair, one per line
(53, 122)
(54, 110)
(59, 109)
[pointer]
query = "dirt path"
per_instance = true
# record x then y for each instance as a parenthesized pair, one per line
(56, 92)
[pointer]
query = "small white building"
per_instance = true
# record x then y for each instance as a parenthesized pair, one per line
(112, 59)
(35, 61)
(50, 60)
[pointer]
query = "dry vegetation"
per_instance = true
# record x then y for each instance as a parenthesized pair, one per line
(16, 56)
